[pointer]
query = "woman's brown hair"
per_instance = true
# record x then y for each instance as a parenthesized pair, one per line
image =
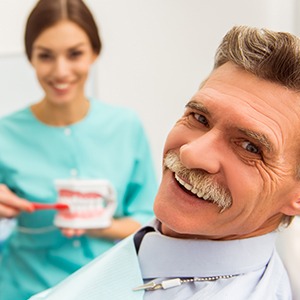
(46, 13)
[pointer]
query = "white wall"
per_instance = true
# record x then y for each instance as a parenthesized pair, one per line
(155, 52)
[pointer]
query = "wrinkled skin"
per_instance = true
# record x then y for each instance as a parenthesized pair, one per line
(242, 132)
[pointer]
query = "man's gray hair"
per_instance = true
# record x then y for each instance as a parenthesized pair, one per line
(274, 56)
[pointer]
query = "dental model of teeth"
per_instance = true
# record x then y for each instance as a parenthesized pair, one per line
(91, 203)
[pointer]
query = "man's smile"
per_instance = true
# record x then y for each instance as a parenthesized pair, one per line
(198, 183)
(192, 190)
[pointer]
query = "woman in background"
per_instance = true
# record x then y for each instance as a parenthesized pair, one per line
(66, 135)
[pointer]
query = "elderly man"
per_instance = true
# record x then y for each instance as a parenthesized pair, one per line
(231, 178)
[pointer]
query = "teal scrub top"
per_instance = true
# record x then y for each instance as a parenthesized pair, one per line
(109, 143)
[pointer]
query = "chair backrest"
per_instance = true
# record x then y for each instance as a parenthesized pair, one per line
(288, 246)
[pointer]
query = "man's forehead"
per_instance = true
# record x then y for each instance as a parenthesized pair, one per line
(238, 82)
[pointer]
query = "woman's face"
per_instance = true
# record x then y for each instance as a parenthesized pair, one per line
(62, 56)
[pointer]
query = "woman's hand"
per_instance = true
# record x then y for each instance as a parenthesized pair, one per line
(119, 229)
(72, 232)
(11, 205)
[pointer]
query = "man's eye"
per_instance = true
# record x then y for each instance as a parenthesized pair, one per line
(201, 119)
(251, 147)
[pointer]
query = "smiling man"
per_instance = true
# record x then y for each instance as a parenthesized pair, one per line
(231, 178)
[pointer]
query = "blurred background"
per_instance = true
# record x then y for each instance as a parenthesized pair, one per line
(155, 53)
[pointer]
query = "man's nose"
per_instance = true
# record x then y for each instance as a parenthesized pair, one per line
(203, 152)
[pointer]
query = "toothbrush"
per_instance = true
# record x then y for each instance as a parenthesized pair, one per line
(57, 206)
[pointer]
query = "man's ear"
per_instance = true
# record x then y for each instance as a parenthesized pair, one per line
(292, 207)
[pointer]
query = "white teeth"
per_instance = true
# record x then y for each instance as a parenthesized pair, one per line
(79, 205)
(199, 194)
(61, 86)
(185, 184)
(189, 187)
(194, 191)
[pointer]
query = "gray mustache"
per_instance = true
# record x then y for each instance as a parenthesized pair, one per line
(200, 180)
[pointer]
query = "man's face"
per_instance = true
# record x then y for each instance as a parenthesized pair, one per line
(231, 159)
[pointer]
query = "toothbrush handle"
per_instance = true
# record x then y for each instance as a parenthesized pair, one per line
(57, 206)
